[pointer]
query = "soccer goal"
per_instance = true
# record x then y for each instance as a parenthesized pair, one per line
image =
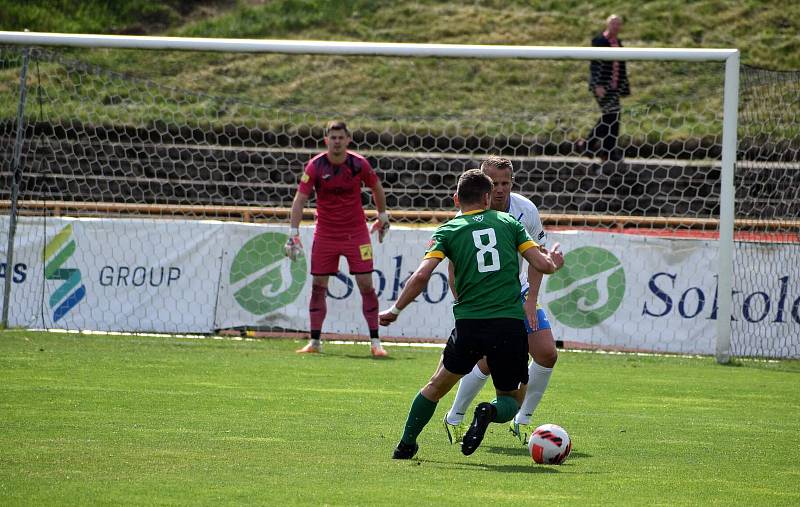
(146, 184)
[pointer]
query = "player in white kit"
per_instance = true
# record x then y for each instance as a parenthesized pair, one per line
(541, 344)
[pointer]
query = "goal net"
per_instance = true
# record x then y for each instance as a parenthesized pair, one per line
(149, 191)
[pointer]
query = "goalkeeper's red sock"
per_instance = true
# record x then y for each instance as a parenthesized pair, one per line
(369, 306)
(317, 308)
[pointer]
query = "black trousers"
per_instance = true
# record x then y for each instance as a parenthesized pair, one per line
(602, 140)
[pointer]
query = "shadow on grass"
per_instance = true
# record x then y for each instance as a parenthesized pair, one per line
(523, 451)
(365, 355)
(776, 365)
(522, 469)
(527, 468)
(507, 451)
(380, 359)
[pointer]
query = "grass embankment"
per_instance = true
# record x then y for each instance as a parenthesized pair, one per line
(669, 101)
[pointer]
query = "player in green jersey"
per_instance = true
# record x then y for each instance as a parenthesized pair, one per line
(482, 245)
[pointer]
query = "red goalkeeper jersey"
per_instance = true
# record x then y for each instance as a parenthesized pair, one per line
(338, 189)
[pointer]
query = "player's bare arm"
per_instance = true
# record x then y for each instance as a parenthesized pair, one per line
(529, 306)
(413, 288)
(543, 260)
(293, 246)
(299, 202)
(381, 225)
(557, 256)
(451, 279)
(537, 258)
(534, 284)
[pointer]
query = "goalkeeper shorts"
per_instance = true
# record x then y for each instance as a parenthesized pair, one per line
(356, 248)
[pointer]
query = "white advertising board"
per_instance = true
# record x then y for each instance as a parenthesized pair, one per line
(661, 294)
(261, 287)
(616, 290)
(116, 275)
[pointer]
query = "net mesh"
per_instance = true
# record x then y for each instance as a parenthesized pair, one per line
(767, 179)
(159, 150)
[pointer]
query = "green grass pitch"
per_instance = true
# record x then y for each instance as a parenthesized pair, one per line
(92, 419)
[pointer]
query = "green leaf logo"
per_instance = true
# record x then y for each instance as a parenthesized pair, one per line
(262, 278)
(588, 289)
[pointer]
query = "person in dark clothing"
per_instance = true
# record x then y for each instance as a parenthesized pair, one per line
(608, 81)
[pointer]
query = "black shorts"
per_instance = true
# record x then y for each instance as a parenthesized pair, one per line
(504, 342)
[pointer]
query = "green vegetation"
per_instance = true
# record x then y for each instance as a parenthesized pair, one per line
(90, 419)
(765, 31)
(97, 16)
(531, 97)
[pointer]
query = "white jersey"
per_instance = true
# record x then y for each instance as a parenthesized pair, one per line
(527, 213)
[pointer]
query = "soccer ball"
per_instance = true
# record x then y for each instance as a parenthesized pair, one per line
(549, 444)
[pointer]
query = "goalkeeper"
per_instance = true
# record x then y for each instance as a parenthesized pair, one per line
(336, 176)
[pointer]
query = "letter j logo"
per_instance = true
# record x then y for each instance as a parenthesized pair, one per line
(263, 279)
(588, 289)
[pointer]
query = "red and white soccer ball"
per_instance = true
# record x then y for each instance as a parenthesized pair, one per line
(549, 444)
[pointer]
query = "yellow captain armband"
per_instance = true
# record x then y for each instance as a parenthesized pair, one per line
(527, 246)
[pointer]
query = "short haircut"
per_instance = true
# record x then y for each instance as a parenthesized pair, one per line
(336, 125)
(496, 162)
(473, 184)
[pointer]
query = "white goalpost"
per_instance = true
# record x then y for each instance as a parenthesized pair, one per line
(402, 162)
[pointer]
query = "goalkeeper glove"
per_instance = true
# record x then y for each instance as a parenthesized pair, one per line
(381, 225)
(293, 247)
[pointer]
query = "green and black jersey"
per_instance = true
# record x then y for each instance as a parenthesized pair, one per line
(483, 246)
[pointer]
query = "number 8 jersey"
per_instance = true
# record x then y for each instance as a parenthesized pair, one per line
(483, 247)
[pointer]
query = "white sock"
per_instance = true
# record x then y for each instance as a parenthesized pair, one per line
(315, 343)
(468, 388)
(376, 342)
(537, 383)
